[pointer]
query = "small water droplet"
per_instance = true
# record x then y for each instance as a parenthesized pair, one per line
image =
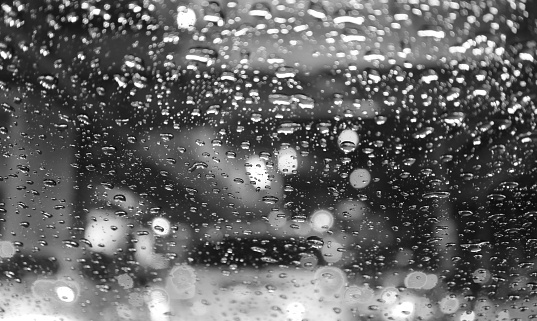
(198, 165)
(70, 243)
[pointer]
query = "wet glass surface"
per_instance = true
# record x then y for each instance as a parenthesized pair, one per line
(268, 160)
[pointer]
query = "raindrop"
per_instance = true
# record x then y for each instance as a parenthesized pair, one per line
(202, 55)
(280, 99)
(120, 198)
(6, 53)
(7, 108)
(429, 31)
(374, 55)
(348, 140)
(260, 10)
(439, 195)
(198, 165)
(214, 14)
(285, 72)
(70, 243)
(304, 102)
(48, 82)
(315, 242)
(133, 63)
(455, 119)
(349, 16)
(423, 133)
(317, 10)
(270, 199)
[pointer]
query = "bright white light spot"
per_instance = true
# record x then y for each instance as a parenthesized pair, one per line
(258, 173)
(389, 295)
(158, 296)
(287, 161)
(295, 311)
(360, 178)
(105, 232)
(402, 311)
(161, 226)
(321, 221)
(347, 140)
(186, 17)
(468, 316)
(65, 293)
(159, 311)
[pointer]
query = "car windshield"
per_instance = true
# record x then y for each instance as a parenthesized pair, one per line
(268, 160)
